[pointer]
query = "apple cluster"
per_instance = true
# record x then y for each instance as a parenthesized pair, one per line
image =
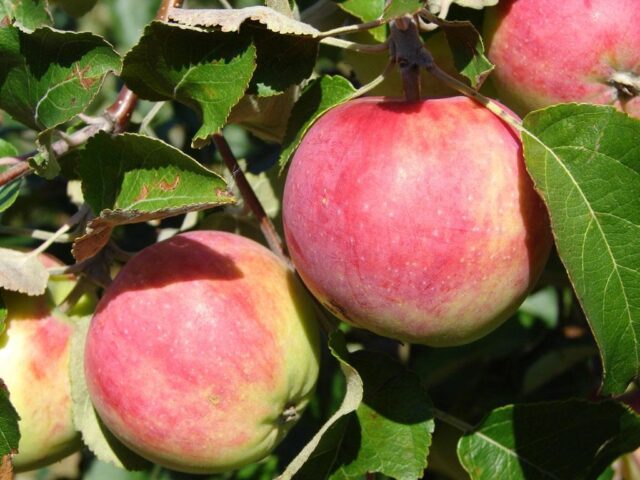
(417, 221)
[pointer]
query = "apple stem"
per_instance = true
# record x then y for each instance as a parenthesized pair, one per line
(407, 51)
(266, 225)
(357, 47)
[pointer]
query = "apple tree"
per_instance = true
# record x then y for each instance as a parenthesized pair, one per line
(320, 239)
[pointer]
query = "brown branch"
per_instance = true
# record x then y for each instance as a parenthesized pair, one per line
(266, 225)
(119, 113)
(121, 110)
(17, 171)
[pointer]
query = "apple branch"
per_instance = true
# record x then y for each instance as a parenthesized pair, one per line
(266, 225)
(357, 47)
(352, 28)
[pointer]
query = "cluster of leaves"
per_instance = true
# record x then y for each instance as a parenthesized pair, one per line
(498, 402)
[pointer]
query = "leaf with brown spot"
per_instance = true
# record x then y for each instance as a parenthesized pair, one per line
(50, 76)
(133, 178)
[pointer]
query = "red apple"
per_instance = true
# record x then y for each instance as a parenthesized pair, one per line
(203, 352)
(417, 221)
(548, 52)
(34, 364)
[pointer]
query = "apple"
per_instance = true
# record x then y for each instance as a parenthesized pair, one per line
(34, 365)
(548, 52)
(416, 221)
(203, 352)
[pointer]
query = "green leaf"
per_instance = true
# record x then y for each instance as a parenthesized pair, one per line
(9, 192)
(132, 178)
(27, 14)
(317, 98)
(398, 8)
(265, 117)
(585, 162)
(367, 11)
(9, 432)
(47, 77)
(283, 61)
(468, 51)
(207, 71)
(390, 431)
(334, 427)
(441, 7)
(100, 441)
(557, 440)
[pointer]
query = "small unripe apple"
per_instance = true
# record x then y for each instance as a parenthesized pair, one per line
(34, 365)
(417, 221)
(203, 352)
(549, 51)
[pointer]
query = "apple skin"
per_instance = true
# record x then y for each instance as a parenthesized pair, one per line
(34, 364)
(416, 221)
(202, 352)
(547, 52)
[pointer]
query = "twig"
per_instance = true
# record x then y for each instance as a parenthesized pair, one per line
(455, 422)
(75, 218)
(119, 113)
(35, 234)
(15, 172)
(226, 4)
(357, 47)
(144, 125)
(266, 226)
(352, 28)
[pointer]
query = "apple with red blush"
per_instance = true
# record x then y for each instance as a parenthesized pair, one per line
(417, 221)
(547, 52)
(203, 352)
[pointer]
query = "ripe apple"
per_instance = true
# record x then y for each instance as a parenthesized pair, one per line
(34, 364)
(548, 52)
(417, 221)
(203, 352)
